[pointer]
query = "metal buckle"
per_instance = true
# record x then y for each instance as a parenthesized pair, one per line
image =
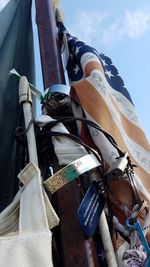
(130, 174)
(137, 211)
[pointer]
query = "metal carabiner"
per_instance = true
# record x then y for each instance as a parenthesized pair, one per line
(137, 211)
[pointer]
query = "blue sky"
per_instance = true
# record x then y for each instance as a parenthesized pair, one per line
(121, 30)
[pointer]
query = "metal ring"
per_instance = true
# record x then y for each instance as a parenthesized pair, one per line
(137, 212)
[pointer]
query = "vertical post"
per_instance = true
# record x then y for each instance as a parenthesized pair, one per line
(76, 251)
(49, 44)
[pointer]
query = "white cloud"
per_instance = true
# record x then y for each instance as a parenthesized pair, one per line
(111, 34)
(133, 25)
(86, 25)
(3, 3)
(137, 23)
(105, 30)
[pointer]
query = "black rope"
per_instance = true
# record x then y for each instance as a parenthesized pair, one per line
(20, 133)
(90, 123)
(74, 138)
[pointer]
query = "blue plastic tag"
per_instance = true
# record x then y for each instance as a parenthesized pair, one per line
(90, 209)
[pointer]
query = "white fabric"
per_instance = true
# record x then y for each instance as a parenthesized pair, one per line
(25, 238)
(66, 149)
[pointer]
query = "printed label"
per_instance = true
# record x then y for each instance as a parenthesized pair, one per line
(90, 209)
(71, 172)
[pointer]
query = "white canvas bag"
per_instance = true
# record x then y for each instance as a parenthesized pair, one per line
(25, 236)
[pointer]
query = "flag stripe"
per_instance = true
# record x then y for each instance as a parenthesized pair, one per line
(106, 101)
(119, 188)
(135, 132)
(87, 96)
(100, 112)
(89, 68)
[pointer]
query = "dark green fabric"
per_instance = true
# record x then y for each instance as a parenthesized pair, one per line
(16, 51)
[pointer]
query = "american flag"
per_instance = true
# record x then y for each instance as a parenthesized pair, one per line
(101, 92)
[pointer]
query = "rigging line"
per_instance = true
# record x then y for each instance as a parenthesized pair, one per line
(76, 139)
(92, 124)
(109, 137)
(21, 132)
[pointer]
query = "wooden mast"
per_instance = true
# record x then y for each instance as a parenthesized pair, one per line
(75, 250)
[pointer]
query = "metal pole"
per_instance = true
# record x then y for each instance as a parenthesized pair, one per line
(76, 251)
(49, 44)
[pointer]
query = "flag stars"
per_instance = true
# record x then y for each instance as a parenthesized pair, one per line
(109, 74)
(71, 57)
(65, 32)
(95, 51)
(70, 38)
(76, 69)
(76, 40)
(104, 62)
(77, 50)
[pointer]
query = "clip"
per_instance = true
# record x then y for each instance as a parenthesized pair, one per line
(135, 226)
(137, 210)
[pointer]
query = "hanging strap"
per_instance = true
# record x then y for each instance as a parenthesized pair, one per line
(9, 216)
(33, 213)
